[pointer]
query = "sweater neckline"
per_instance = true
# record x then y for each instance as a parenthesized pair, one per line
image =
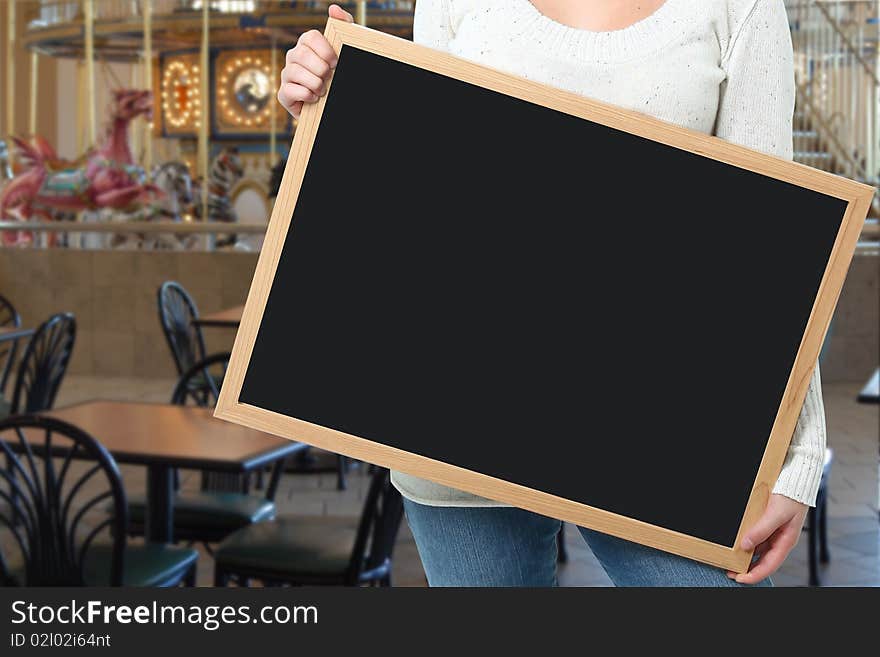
(646, 35)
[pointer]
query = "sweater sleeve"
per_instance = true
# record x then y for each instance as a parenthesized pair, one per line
(755, 110)
(432, 23)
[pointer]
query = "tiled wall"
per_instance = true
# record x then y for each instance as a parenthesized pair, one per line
(113, 294)
(852, 351)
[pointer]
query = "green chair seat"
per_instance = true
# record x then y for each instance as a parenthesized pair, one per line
(212, 509)
(309, 544)
(198, 381)
(152, 564)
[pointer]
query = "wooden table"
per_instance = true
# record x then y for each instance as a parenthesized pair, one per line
(164, 437)
(229, 318)
(870, 394)
(14, 333)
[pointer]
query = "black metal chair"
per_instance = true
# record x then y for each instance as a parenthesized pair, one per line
(223, 503)
(817, 524)
(44, 364)
(318, 550)
(9, 318)
(49, 498)
(178, 315)
(307, 462)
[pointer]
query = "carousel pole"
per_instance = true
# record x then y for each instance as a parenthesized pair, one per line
(273, 73)
(148, 80)
(361, 13)
(32, 116)
(135, 133)
(203, 108)
(10, 68)
(89, 19)
(81, 145)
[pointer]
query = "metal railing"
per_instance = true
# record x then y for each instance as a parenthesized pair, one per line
(139, 227)
(140, 235)
(197, 235)
(836, 121)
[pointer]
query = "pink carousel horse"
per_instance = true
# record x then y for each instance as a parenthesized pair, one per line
(105, 177)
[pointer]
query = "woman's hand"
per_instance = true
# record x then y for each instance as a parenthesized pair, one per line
(308, 67)
(773, 537)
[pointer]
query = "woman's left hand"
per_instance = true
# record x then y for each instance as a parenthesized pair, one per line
(773, 537)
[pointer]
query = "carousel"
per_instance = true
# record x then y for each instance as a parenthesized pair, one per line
(192, 134)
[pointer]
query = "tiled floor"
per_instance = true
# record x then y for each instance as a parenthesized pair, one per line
(853, 514)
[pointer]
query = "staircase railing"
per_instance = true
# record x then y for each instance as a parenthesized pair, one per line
(835, 46)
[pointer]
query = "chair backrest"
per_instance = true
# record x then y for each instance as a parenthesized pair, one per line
(377, 529)
(200, 386)
(178, 315)
(44, 364)
(9, 318)
(56, 477)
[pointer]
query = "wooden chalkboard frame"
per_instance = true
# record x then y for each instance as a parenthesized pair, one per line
(858, 197)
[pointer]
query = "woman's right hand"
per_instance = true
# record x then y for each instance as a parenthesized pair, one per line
(308, 67)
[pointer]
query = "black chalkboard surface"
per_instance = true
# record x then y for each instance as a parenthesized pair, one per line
(501, 286)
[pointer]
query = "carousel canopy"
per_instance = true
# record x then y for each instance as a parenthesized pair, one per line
(177, 25)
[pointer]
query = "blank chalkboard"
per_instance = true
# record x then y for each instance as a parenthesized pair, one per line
(541, 299)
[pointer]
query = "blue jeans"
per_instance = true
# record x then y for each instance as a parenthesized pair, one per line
(504, 546)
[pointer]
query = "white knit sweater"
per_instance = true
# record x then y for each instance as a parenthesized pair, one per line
(718, 66)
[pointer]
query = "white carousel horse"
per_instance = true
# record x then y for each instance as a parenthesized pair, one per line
(174, 181)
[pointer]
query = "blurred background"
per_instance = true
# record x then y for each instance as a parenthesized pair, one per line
(115, 317)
